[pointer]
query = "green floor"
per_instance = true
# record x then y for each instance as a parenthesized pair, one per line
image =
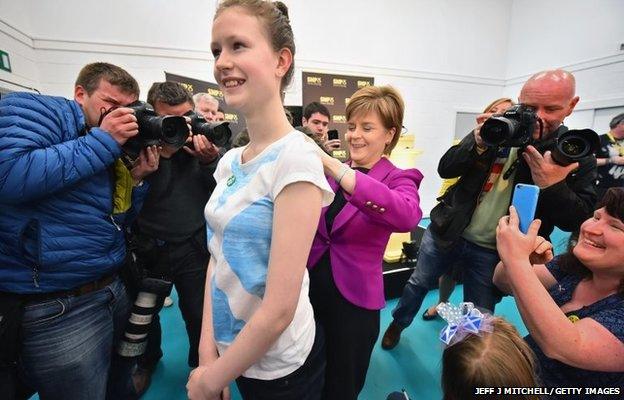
(413, 365)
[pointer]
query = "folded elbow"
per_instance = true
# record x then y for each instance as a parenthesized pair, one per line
(550, 352)
(283, 317)
(410, 223)
(444, 174)
(555, 350)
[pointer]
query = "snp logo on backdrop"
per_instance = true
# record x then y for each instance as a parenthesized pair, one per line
(187, 86)
(314, 81)
(339, 119)
(361, 84)
(338, 82)
(215, 93)
(347, 100)
(232, 118)
(327, 100)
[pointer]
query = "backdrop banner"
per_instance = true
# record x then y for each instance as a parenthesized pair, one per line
(333, 91)
(236, 120)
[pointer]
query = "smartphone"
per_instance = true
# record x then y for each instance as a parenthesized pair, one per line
(525, 201)
(332, 134)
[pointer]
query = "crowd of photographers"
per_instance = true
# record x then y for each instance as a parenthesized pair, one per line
(82, 181)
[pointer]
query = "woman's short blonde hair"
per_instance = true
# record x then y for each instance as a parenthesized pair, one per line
(497, 102)
(383, 100)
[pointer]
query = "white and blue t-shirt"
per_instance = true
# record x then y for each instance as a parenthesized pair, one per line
(239, 222)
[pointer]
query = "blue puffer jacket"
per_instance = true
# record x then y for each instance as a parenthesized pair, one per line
(57, 230)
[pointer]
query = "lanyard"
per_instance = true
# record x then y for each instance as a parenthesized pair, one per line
(618, 144)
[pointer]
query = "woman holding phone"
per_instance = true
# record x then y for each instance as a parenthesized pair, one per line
(573, 305)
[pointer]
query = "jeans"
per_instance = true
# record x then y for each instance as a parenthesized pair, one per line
(68, 343)
(433, 261)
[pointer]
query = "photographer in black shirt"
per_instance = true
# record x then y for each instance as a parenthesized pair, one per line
(170, 233)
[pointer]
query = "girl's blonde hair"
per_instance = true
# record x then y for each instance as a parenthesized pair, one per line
(497, 359)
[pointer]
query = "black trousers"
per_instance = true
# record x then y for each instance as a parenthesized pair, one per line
(306, 383)
(350, 335)
(185, 264)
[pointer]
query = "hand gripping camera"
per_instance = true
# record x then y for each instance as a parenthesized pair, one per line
(515, 128)
(155, 130)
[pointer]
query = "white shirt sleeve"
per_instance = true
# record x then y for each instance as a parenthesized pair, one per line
(300, 162)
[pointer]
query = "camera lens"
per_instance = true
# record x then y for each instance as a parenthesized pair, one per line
(496, 130)
(574, 146)
(174, 130)
(168, 132)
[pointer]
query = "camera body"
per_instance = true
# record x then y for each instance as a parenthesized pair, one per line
(515, 128)
(218, 133)
(155, 129)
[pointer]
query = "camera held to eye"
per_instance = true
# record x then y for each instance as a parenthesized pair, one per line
(515, 128)
(154, 130)
(218, 133)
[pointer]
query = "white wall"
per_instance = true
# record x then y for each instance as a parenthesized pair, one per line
(15, 39)
(439, 36)
(445, 56)
(580, 36)
(424, 48)
(562, 32)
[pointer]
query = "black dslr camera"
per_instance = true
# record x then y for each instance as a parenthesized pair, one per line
(155, 129)
(218, 133)
(515, 128)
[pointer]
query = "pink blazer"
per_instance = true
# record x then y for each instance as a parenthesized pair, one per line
(384, 201)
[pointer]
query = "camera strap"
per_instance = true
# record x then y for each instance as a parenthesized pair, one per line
(103, 113)
(618, 144)
(511, 168)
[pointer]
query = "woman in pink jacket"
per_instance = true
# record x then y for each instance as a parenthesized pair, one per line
(373, 199)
